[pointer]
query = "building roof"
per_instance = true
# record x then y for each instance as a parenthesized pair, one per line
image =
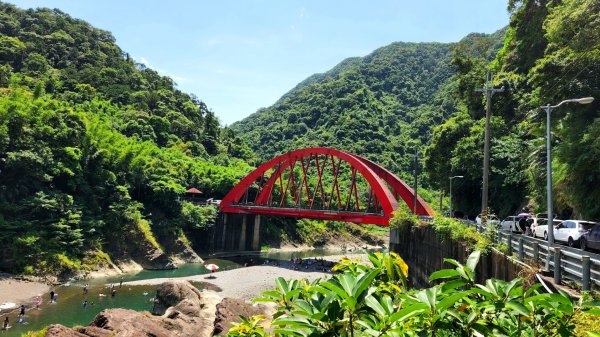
(193, 190)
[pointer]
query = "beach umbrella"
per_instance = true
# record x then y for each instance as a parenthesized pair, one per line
(211, 267)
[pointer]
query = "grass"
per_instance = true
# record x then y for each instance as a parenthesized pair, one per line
(376, 230)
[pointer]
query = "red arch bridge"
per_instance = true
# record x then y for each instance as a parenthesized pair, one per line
(319, 183)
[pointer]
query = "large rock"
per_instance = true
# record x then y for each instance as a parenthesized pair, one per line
(170, 293)
(180, 311)
(230, 310)
(191, 312)
(57, 330)
(129, 323)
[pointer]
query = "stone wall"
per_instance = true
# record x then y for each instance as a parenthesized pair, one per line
(424, 252)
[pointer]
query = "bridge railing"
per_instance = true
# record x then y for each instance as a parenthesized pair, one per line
(565, 263)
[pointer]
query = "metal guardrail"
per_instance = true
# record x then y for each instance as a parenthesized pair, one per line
(563, 263)
(581, 267)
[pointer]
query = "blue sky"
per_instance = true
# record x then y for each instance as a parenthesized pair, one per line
(239, 56)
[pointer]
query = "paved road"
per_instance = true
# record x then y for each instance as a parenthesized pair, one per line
(594, 254)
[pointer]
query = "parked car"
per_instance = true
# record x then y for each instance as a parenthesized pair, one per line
(511, 223)
(590, 239)
(540, 230)
(492, 219)
(570, 231)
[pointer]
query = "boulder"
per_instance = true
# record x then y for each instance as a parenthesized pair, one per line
(57, 330)
(170, 293)
(180, 310)
(230, 310)
(129, 323)
(190, 312)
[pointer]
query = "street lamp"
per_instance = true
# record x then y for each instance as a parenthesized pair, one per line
(549, 108)
(451, 192)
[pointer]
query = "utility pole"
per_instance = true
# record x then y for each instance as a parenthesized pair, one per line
(489, 91)
(416, 181)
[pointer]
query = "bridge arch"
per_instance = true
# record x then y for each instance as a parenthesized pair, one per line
(263, 191)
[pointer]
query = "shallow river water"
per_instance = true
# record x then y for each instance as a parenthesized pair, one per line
(69, 310)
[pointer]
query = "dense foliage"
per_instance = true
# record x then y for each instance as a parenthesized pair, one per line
(372, 300)
(423, 95)
(382, 106)
(96, 150)
(551, 52)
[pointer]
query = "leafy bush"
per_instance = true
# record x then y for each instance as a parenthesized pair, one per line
(373, 301)
(404, 220)
(448, 227)
(197, 217)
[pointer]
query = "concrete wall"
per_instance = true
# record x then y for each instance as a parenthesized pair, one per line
(231, 232)
(424, 252)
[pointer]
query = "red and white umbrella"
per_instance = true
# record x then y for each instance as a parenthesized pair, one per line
(211, 267)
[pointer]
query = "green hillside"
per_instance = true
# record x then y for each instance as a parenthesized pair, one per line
(96, 149)
(382, 105)
(551, 53)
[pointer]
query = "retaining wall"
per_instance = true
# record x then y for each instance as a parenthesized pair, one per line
(424, 252)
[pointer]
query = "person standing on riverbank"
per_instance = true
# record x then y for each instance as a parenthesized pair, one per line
(5, 324)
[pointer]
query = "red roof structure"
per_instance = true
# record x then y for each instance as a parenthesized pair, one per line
(193, 190)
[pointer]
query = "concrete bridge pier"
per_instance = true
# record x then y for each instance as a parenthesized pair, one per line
(224, 232)
(256, 233)
(242, 242)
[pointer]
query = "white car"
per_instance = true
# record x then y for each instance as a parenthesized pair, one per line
(492, 219)
(511, 224)
(570, 231)
(540, 227)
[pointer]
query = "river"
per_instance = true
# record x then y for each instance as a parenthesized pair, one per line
(69, 309)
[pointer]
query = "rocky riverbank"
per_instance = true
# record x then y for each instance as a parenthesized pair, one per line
(179, 310)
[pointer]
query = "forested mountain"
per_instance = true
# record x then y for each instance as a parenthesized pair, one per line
(96, 149)
(383, 105)
(406, 95)
(551, 53)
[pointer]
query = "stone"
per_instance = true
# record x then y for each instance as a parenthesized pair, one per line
(129, 323)
(171, 293)
(180, 310)
(230, 310)
(57, 330)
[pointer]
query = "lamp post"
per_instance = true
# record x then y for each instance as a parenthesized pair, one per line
(416, 181)
(451, 192)
(549, 108)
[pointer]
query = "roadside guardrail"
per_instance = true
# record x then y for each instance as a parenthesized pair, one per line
(564, 263)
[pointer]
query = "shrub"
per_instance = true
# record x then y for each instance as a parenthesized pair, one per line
(372, 300)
